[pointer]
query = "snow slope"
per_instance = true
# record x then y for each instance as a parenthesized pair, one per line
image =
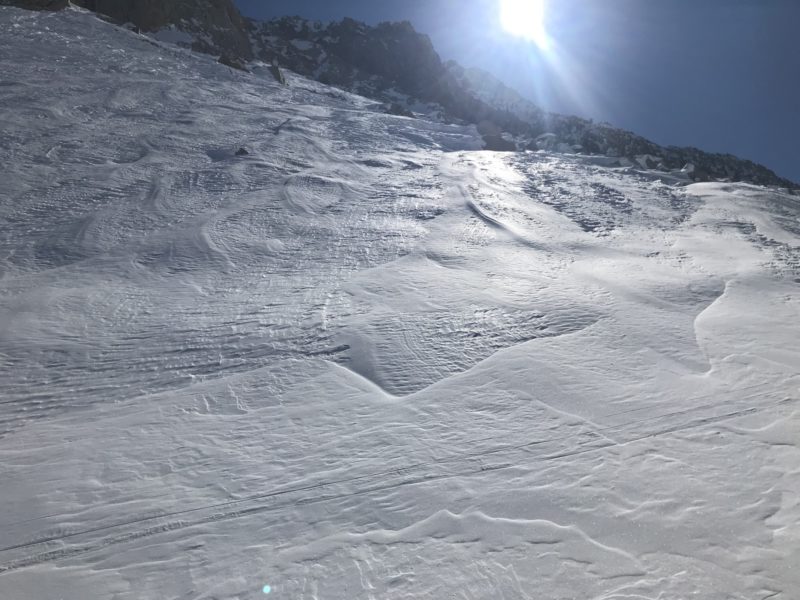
(367, 360)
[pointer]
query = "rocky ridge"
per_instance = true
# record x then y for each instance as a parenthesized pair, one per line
(399, 66)
(396, 65)
(209, 26)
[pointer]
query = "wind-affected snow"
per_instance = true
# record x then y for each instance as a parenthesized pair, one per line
(367, 360)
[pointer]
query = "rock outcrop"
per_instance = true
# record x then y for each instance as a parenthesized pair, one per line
(390, 62)
(219, 26)
(36, 4)
(215, 26)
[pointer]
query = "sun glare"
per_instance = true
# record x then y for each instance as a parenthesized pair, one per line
(525, 19)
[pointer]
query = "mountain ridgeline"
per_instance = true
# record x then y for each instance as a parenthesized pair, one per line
(394, 64)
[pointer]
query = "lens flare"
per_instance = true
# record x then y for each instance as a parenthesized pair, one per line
(525, 19)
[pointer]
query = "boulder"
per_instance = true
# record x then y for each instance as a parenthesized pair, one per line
(232, 62)
(497, 143)
(547, 141)
(395, 108)
(223, 27)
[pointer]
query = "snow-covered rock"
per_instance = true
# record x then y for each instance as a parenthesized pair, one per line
(211, 26)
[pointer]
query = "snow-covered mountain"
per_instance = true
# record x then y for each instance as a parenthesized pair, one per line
(255, 334)
(393, 63)
(210, 26)
(492, 91)
(397, 65)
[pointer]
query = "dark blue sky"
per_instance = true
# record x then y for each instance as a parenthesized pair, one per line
(722, 75)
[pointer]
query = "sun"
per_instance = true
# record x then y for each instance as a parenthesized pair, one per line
(525, 19)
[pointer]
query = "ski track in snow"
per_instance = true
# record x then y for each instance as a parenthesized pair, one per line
(367, 360)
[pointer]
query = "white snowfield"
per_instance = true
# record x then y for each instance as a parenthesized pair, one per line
(367, 360)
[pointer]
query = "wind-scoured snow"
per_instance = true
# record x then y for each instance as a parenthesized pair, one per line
(366, 359)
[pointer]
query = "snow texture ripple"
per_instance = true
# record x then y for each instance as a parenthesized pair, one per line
(367, 359)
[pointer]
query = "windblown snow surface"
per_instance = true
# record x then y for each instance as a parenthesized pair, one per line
(368, 360)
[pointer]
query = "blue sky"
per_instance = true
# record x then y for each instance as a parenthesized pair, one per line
(722, 75)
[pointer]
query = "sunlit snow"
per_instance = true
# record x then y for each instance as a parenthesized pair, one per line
(368, 360)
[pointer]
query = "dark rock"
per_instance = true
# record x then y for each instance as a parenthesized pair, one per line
(395, 108)
(36, 4)
(275, 69)
(375, 62)
(497, 143)
(219, 25)
(242, 152)
(699, 174)
(232, 62)
(493, 138)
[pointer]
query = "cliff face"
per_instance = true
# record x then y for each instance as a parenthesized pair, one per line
(349, 53)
